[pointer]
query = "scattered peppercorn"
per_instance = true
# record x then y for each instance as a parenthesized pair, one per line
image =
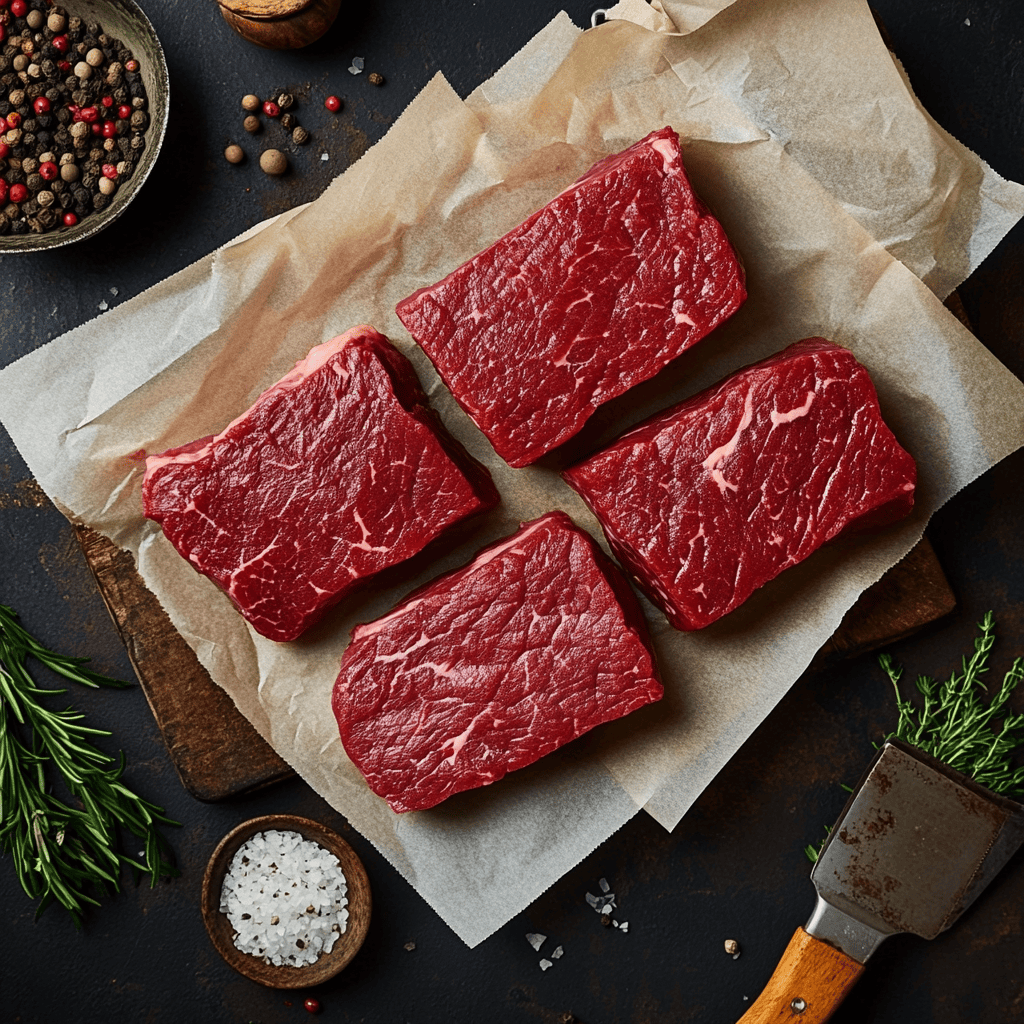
(333, 104)
(285, 101)
(312, 1005)
(251, 103)
(234, 154)
(374, 79)
(252, 124)
(70, 219)
(300, 136)
(271, 109)
(273, 161)
(288, 122)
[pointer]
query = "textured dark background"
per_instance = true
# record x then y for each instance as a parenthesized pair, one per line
(733, 868)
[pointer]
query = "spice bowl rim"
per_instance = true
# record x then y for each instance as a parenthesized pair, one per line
(219, 929)
(158, 94)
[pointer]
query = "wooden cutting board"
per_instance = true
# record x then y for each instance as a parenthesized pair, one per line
(218, 754)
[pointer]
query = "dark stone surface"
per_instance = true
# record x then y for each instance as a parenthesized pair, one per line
(733, 868)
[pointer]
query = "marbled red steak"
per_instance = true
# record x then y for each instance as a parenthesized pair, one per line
(336, 472)
(490, 667)
(706, 502)
(592, 294)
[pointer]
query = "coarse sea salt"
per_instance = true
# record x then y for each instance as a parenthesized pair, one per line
(286, 898)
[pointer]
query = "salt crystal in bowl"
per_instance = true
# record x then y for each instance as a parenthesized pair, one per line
(278, 955)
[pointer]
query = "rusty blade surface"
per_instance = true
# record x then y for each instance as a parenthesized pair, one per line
(915, 845)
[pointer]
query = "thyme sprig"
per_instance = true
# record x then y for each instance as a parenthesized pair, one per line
(956, 726)
(60, 850)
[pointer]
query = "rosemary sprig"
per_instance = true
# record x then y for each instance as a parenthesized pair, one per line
(60, 850)
(956, 726)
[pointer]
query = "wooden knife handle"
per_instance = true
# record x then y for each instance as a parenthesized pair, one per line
(812, 979)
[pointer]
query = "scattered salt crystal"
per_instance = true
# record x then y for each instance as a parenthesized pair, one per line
(545, 964)
(113, 291)
(289, 917)
(607, 908)
(605, 887)
(624, 926)
(557, 952)
(535, 939)
(324, 157)
(593, 901)
(103, 307)
(356, 68)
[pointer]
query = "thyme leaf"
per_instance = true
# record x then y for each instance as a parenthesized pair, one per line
(59, 850)
(955, 724)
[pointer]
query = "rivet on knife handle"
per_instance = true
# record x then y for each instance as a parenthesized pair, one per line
(811, 980)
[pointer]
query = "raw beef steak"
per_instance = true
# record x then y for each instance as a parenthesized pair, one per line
(337, 471)
(711, 499)
(490, 667)
(591, 295)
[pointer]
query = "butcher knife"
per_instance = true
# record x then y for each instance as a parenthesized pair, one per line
(915, 845)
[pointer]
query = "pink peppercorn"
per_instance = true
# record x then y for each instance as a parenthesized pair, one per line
(271, 109)
(70, 219)
(109, 129)
(88, 114)
(332, 103)
(48, 170)
(109, 171)
(60, 43)
(18, 193)
(124, 112)
(5, 150)
(19, 8)
(41, 105)
(13, 119)
(107, 101)
(131, 65)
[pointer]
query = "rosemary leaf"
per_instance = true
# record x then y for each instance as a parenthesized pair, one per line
(59, 851)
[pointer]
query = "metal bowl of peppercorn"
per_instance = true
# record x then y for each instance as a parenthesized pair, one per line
(84, 97)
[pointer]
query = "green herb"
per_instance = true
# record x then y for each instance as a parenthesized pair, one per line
(956, 726)
(60, 850)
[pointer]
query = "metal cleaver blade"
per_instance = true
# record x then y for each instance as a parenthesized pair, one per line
(915, 845)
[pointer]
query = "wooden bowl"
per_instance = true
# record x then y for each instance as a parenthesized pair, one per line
(124, 20)
(280, 24)
(219, 927)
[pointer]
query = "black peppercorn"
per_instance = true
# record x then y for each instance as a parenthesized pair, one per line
(19, 227)
(66, 200)
(15, 176)
(288, 122)
(34, 182)
(100, 201)
(89, 179)
(5, 225)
